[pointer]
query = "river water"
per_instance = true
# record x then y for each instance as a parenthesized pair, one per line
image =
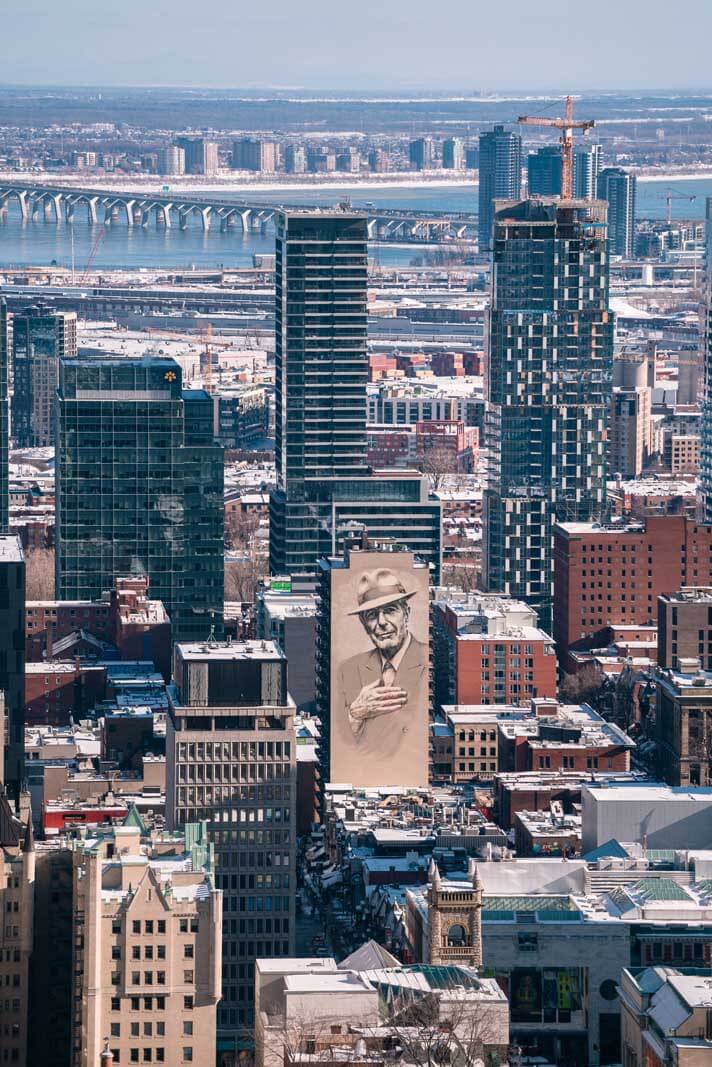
(41, 243)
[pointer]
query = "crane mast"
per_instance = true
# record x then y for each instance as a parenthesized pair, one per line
(567, 125)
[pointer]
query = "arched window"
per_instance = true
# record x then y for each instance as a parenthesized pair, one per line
(456, 936)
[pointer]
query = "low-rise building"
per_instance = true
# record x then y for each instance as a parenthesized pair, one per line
(666, 1016)
(488, 649)
(683, 724)
(369, 1010)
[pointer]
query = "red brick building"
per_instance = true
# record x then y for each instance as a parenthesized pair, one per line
(612, 575)
(56, 691)
(488, 649)
(571, 738)
(136, 626)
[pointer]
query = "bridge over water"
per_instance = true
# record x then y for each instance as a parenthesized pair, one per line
(56, 203)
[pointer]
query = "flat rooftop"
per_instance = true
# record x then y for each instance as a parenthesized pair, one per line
(10, 549)
(204, 651)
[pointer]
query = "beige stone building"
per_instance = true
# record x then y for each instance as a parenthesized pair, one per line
(666, 1017)
(147, 946)
(630, 431)
(17, 876)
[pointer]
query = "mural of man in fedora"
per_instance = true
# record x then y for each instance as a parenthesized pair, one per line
(379, 723)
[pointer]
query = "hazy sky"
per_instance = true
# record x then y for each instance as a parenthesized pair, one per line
(315, 44)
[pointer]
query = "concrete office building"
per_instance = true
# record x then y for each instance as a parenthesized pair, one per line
(17, 900)
(4, 418)
(617, 187)
(140, 488)
(147, 953)
(41, 337)
(324, 482)
(171, 160)
(500, 166)
(544, 171)
(253, 154)
(12, 660)
(685, 628)
(631, 434)
(453, 154)
(548, 385)
(201, 155)
(662, 816)
(290, 619)
(421, 153)
(587, 167)
(231, 759)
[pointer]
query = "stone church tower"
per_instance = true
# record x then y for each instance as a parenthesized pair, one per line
(455, 919)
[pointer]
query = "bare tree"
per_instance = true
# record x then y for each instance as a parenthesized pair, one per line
(240, 528)
(39, 574)
(451, 1027)
(242, 577)
(461, 574)
(439, 463)
(584, 686)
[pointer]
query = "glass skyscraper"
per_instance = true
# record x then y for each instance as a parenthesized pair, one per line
(4, 419)
(140, 488)
(500, 176)
(41, 337)
(549, 372)
(544, 171)
(323, 478)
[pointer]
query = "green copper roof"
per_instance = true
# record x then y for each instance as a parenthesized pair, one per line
(134, 819)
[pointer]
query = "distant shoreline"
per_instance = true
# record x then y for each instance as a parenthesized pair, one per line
(224, 183)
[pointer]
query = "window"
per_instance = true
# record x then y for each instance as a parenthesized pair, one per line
(115, 1030)
(188, 952)
(160, 1055)
(133, 1055)
(148, 1055)
(135, 952)
(136, 926)
(183, 926)
(134, 1030)
(187, 1029)
(161, 926)
(116, 1003)
(149, 926)
(187, 1054)
(188, 977)
(187, 1003)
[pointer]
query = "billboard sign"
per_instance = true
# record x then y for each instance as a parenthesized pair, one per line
(379, 671)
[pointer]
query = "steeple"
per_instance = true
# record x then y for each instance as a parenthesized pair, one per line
(28, 845)
(434, 875)
(473, 873)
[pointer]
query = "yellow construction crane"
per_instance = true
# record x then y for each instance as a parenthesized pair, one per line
(567, 125)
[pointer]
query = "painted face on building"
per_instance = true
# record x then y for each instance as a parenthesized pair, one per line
(387, 626)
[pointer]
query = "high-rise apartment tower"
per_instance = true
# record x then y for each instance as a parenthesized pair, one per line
(548, 385)
(500, 176)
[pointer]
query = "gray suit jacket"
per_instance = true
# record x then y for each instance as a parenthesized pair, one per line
(391, 749)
